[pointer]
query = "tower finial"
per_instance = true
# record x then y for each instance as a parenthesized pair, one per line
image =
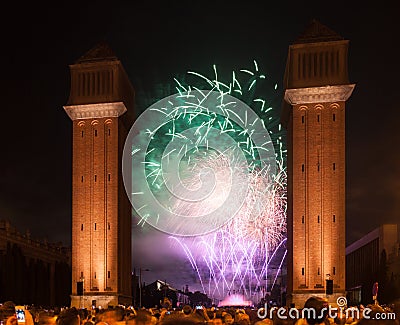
(316, 32)
(101, 51)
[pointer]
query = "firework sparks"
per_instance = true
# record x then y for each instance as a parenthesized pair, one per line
(214, 172)
(237, 257)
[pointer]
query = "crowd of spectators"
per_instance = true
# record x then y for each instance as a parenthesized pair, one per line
(186, 315)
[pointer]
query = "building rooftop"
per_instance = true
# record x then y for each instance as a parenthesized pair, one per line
(387, 234)
(100, 52)
(316, 32)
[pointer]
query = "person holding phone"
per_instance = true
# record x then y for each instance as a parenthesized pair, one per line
(20, 311)
(7, 313)
(201, 313)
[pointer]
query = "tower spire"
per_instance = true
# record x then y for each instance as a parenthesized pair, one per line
(100, 52)
(316, 32)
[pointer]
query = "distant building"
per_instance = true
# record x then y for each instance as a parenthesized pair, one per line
(183, 297)
(374, 257)
(159, 293)
(155, 294)
(33, 271)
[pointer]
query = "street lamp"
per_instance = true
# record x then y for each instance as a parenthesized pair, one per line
(140, 285)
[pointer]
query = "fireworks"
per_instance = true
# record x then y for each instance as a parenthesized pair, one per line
(208, 171)
(236, 258)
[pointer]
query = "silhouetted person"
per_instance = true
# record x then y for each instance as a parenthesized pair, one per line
(7, 313)
(227, 319)
(181, 321)
(142, 317)
(68, 316)
(187, 310)
(375, 293)
(316, 304)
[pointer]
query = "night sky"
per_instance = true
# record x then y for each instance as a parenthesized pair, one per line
(157, 43)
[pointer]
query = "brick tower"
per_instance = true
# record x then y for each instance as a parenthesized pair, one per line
(100, 106)
(316, 89)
